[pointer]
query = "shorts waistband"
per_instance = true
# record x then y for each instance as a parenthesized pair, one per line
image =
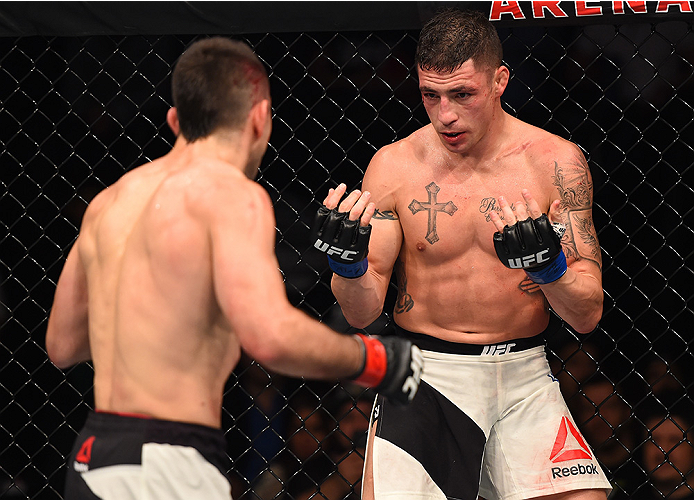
(137, 421)
(132, 431)
(429, 343)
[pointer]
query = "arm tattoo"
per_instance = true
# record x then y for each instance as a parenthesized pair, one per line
(529, 286)
(572, 180)
(586, 230)
(385, 215)
(404, 302)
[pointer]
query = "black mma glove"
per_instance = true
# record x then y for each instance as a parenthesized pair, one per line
(392, 366)
(533, 245)
(344, 241)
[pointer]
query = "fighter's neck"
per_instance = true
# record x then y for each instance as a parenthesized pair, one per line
(218, 149)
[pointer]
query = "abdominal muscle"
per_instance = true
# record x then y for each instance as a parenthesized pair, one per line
(474, 304)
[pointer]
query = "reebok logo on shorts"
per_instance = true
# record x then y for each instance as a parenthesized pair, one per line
(84, 455)
(575, 470)
(569, 444)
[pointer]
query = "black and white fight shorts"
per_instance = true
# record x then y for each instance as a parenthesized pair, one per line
(138, 458)
(487, 420)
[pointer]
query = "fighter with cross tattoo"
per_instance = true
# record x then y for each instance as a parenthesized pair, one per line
(485, 222)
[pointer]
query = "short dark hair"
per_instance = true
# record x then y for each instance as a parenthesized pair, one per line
(453, 36)
(215, 83)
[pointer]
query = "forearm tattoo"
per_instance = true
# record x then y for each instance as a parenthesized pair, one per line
(404, 302)
(572, 180)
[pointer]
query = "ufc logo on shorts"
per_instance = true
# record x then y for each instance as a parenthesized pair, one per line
(331, 250)
(523, 262)
(412, 382)
(491, 350)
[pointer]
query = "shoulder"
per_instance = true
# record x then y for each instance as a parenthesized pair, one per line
(564, 149)
(135, 183)
(411, 147)
(392, 161)
(107, 197)
(548, 155)
(546, 144)
(563, 167)
(561, 156)
(227, 198)
(97, 205)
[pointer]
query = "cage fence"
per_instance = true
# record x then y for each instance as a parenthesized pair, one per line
(77, 112)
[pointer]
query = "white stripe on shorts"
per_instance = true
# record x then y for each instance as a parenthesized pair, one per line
(168, 472)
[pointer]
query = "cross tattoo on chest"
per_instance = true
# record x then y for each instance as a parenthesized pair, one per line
(432, 207)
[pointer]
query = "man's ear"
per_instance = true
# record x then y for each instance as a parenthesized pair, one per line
(501, 76)
(261, 120)
(172, 120)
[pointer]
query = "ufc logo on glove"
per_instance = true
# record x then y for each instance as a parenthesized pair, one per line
(533, 245)
(528, 260)
(344, 241)
(329, 250)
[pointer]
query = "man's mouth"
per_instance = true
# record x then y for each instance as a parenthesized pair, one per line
(452, 137)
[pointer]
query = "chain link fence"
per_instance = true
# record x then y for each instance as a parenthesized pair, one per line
(77, 112)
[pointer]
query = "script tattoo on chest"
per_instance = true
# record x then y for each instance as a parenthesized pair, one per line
(489, 205)
(433, 208)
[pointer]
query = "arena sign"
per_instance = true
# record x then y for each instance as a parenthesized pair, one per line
(549, 9)
(71, 18)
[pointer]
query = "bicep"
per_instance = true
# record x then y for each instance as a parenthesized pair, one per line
(384, 247)
(386, 235)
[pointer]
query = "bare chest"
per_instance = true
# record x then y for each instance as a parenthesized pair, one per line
(445, 216)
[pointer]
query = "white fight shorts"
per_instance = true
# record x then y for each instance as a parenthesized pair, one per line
(487, 421)
(119, 457)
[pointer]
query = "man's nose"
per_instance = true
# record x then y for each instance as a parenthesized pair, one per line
(447, 112)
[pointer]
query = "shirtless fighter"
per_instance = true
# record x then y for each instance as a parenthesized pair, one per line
(456, 211)
(174, 273)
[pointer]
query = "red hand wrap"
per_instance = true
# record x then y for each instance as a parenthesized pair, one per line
(375, 362)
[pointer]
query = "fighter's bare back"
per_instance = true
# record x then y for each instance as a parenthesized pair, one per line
(157, 335)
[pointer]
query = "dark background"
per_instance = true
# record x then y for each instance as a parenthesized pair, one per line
(84, 88)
